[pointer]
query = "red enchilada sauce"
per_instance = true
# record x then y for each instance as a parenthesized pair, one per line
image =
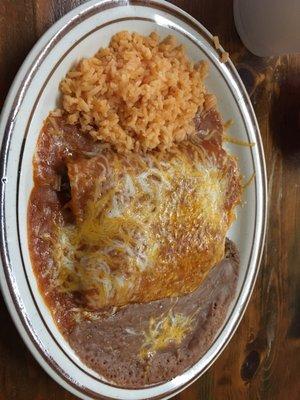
(136, 344)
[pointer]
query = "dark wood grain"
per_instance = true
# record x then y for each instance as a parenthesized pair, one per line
(262, 360)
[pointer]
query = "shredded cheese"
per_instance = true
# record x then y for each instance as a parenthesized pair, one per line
(156, 216)
(172, 328)
(231, 139)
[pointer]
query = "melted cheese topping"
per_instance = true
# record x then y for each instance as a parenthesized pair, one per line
(162, 332)
(154, 230)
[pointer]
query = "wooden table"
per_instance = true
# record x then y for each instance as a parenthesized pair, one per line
(262, 360)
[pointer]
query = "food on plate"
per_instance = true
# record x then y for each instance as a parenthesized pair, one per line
(128, 218)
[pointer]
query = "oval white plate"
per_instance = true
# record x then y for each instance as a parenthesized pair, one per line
(33, 94)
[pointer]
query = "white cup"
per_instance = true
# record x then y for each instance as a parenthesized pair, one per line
(268, 27)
